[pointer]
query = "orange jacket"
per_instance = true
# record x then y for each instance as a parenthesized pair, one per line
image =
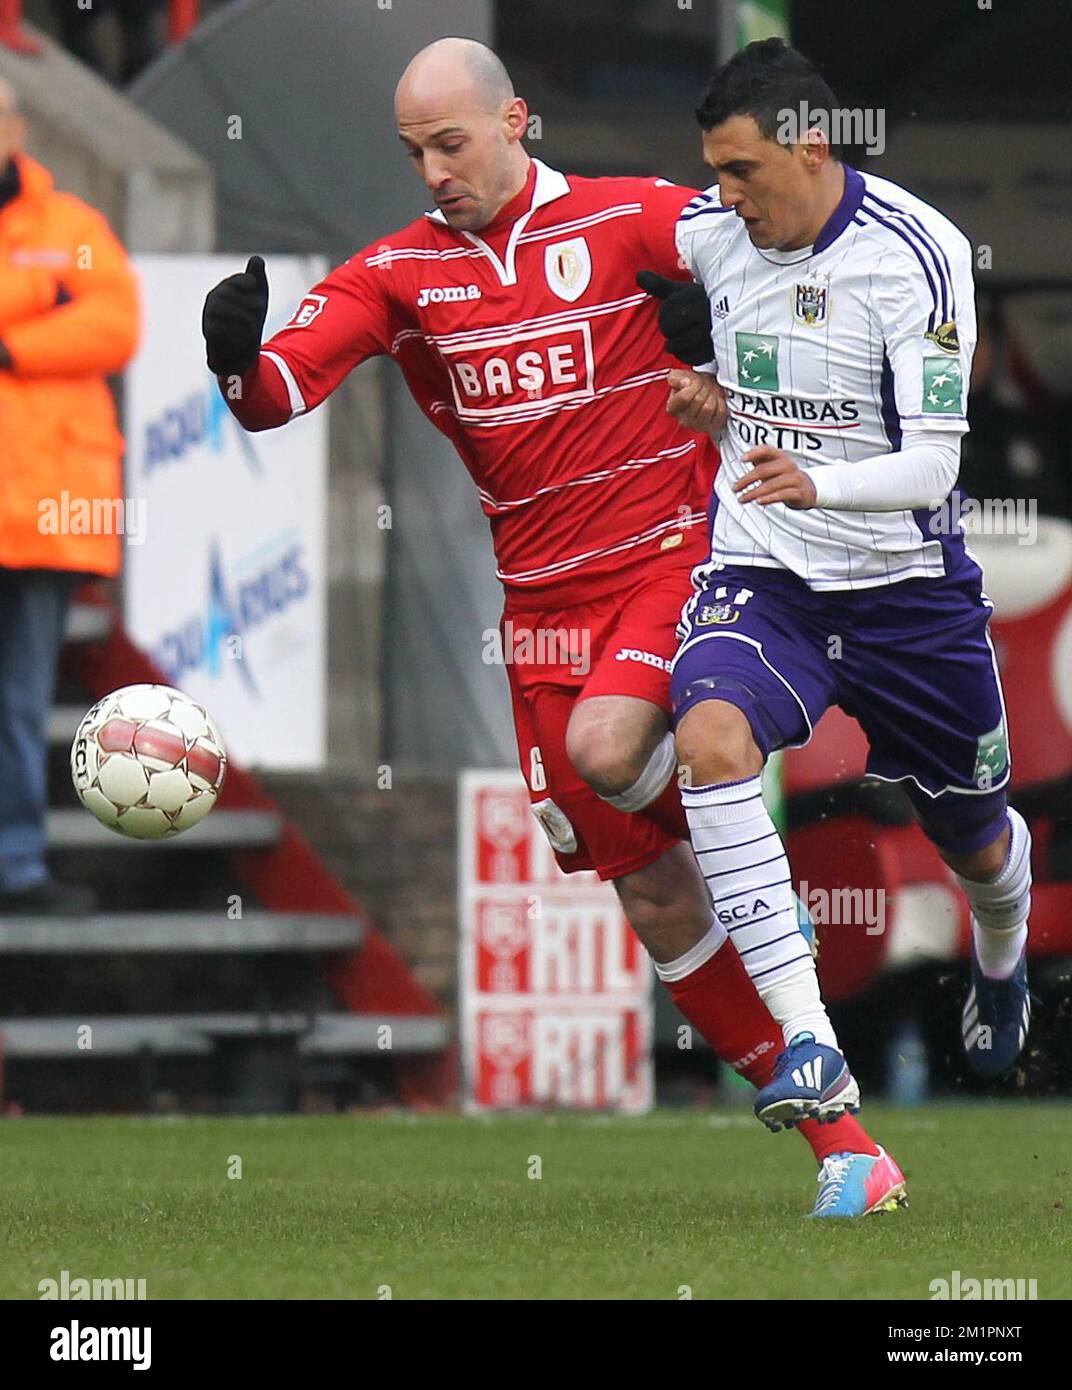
(68, 318)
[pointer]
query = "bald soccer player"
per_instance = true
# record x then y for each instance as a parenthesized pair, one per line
(513, 312)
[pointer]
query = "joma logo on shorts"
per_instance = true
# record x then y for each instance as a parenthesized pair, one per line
(446, 294)
(646, 658)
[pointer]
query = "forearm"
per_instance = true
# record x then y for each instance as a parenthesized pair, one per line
(922, 473)
(259, 399)
(94, 336)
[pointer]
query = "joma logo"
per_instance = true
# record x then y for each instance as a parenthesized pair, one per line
(446, 294)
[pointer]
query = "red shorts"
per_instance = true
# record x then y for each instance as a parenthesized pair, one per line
(620, 645)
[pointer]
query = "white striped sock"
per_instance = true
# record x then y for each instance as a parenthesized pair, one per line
(743, 861)
(1001, 906)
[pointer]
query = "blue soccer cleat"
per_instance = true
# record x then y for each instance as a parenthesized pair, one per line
(996, 1017)
(859, 1184)
(811, 1082)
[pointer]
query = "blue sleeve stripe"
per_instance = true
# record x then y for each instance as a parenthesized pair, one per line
(687, 216)
(921, 242)
(934, 320)
(930, 240)
(891, 421)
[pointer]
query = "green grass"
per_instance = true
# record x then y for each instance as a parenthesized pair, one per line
(443, 1207)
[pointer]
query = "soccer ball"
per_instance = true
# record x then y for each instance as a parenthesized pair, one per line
(148, 761)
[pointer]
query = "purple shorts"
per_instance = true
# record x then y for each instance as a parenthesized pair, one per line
(912, 662)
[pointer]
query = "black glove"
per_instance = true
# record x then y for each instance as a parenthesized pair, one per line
(233, 318)
(684, 316)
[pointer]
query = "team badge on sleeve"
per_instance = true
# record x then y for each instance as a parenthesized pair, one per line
(942, 387)
(311, 307)
(945, 336)
(568, 267)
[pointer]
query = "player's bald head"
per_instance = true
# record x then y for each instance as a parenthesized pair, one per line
(455, 74)
(463, 125)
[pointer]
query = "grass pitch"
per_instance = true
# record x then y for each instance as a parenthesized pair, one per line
(445, 1207)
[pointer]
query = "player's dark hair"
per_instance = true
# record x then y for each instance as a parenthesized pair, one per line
(764, 80)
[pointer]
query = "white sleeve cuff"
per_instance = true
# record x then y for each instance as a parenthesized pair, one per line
(921, 473)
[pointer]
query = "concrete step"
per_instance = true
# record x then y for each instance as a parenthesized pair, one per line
(193, 1034)
(63, 722)
(78, 829)
(179, 932)
(87, 622)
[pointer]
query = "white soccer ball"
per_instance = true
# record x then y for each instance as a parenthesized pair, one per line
(148, 761)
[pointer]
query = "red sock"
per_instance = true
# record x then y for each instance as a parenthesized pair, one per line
(722, 1004)
(846, 1135)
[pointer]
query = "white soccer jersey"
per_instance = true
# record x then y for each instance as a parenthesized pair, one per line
(835, 353)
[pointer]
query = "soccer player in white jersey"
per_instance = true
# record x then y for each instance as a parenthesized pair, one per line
(843, 325)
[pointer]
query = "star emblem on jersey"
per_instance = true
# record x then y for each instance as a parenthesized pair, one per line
(757, 361)
(942, 386)
(568, 267)
(811, 305)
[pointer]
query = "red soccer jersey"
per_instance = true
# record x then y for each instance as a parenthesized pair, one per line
(533, 350)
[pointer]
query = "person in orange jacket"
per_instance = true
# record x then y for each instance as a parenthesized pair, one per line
(68, 318)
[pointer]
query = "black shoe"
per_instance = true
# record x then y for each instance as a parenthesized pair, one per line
(49, 898)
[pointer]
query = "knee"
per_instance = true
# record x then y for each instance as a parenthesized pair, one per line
(715, 744)
(980, 865)
(667, 904)
(603, 755)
